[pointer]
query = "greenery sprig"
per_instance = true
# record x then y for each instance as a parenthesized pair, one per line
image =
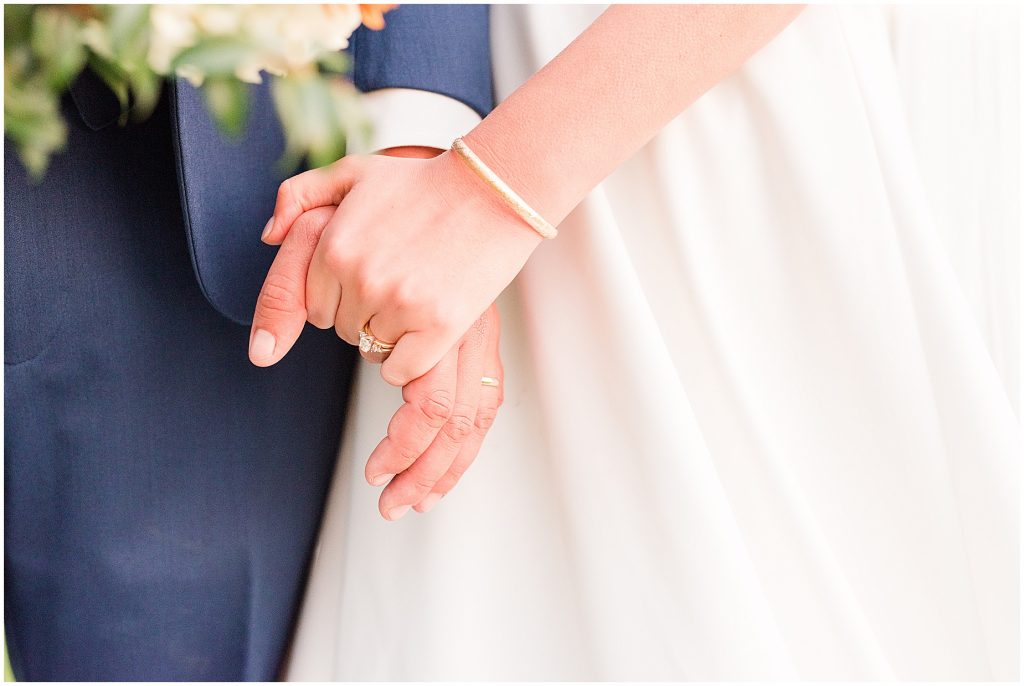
(221, 49)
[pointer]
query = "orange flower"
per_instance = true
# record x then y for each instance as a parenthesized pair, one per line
(373, 15)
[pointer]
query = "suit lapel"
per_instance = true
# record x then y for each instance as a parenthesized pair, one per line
(228, 189)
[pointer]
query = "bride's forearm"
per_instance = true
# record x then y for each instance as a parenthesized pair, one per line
(405, 244)
(611, 90)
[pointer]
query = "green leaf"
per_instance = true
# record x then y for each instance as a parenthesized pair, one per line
(337, 62)
(128, 28)
(215, 56)
(47, 46)
(349, 112)
(331, 147)
(317, 114)
(145, 90)
(289, 113)
(56, 40)
(228, 102)
(17, 24)
(32, 121)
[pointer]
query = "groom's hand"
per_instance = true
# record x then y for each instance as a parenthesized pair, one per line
(437, 433)
(281, 308)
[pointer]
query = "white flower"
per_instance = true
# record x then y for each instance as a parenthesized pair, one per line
(191, 73)
(173, 30)
(218, 20)
(283, 38)
(248, 73)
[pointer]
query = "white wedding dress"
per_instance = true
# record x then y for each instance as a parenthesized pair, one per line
(761, 414)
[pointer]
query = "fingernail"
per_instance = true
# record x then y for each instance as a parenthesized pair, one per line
(428, 503)
(397, 512)
(381, 479)
(262, 346)
(267, 229)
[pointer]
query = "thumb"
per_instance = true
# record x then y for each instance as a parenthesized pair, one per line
(415, 354)
(281, 306)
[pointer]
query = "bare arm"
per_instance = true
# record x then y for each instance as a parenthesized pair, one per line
(633, 70)
(418, 249)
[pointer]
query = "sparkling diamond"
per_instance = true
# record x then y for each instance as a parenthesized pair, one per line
(365, 343)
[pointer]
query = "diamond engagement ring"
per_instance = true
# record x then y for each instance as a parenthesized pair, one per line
(368, 343)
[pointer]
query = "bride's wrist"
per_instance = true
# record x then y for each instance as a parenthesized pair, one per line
(527, 179)
(502, 190)
(466, 188)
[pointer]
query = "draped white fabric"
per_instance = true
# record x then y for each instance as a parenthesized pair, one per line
(760, 393)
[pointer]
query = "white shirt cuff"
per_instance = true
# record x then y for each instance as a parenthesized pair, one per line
(405, 116)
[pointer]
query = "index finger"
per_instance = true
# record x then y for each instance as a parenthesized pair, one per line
(281, 307)
(429, 402)
(416, 482)
(306, 191)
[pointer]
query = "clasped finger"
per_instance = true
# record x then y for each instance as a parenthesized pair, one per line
(415, 483)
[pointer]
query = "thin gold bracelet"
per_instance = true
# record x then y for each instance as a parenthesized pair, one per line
(509, 196)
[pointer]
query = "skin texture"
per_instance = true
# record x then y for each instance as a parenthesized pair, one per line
(592, 107)
(418, 248)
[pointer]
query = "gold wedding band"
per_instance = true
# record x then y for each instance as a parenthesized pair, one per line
(368, 343)
(489, 381)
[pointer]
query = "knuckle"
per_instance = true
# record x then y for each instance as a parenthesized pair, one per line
(485, 417)
(407, 454)
(406, 294)
(338, 260)
(288, 195)
(459, 426)
(371, 289)
(436, 314)
(436, 407)
(366, 277)
(284, 191)
(278, 296)
(423, 484)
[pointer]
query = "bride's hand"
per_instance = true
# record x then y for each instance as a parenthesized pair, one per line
(416, 251)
